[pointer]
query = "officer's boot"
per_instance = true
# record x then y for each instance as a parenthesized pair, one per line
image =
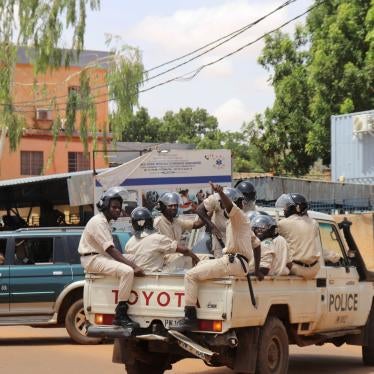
(189, 322)
(122, 319)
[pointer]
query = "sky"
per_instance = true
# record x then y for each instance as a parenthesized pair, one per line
(233, 90)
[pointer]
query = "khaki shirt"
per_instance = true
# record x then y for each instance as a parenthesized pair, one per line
(239, 236)
(302, 235)
(275, 256)
(97, 236)
(213, 205)
(149, 250)
(175, 229)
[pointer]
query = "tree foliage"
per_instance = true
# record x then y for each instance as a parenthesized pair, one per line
(39, 25)
(341, 68)
(327, 68)
(282, 131)
(195, 127)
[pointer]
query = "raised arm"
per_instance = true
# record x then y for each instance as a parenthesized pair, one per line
(225, 200)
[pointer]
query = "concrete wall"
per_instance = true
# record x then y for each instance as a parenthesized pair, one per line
(363, 232)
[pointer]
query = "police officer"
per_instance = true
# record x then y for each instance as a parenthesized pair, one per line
(275, 256)
(249, 192)
(213, 214)
(301, 233)
(241, 245)
(168, 223)
(99, 255)
(147, 247)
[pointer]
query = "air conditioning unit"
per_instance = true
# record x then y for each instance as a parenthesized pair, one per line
(363, 123)
(43, 114)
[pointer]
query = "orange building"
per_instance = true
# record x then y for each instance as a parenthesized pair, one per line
(34, 153)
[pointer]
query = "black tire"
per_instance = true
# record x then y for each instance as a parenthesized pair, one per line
(75, 324)
(272, 357)
(139, 367)
(368, 350)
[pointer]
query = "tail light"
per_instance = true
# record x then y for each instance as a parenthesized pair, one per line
(210, 325)
(104, 319)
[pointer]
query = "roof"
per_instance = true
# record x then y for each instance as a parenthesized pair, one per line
(85, 57)
(43, 178)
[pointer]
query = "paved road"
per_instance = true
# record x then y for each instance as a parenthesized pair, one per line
(46, 351)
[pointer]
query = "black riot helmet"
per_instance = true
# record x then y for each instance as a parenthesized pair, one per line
(151, 199)
(169, 199)
(292, 203)
(234, 195)
(247, 189)
(141, 219)
(264, 226)
(113, 193)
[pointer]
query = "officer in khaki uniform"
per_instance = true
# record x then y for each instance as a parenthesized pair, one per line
(275, 256)
(172, 226)
(301, 233)
(212, 213)
(99, 255)
(149, 249)
(241, 245)
(168, 223)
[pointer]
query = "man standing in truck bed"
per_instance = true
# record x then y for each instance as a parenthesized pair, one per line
(241, 246)
(99, 255)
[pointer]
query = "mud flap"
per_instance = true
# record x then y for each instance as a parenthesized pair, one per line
(192, 347)
(246, 353)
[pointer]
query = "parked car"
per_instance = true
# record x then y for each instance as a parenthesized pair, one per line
(41, 279)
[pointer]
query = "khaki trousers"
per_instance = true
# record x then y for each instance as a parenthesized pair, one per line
(209, 269)
(176, 262)
(305, 272)
(104, 264)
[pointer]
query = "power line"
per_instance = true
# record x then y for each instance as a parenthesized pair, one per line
(192, 74)
(223, 40)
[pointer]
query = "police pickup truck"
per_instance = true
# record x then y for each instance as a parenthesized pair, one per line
(337, 307)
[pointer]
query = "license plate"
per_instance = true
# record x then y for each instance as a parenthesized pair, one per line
(168, 323)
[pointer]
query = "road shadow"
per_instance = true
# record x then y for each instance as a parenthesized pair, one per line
(40, 341)
(311, 364)
(35, 341)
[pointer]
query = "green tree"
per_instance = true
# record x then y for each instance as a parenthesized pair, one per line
(189, 126)
(40, 25)
(341, 68)
(281, 133)
(142, 128)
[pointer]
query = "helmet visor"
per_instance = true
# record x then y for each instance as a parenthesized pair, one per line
(284, 201)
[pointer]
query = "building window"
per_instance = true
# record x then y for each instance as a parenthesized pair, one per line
(31, 162)
(78, 161)
(43, 114)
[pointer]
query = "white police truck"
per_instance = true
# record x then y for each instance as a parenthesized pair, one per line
(337, 307)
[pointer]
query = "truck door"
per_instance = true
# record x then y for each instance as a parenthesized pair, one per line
(342, 304)
(4, 280)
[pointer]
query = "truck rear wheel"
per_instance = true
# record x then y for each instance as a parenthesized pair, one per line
(368, 350)
(75, 323)
(272, 355)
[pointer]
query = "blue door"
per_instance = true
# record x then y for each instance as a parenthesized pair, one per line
(38, 275)
(4, 279)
